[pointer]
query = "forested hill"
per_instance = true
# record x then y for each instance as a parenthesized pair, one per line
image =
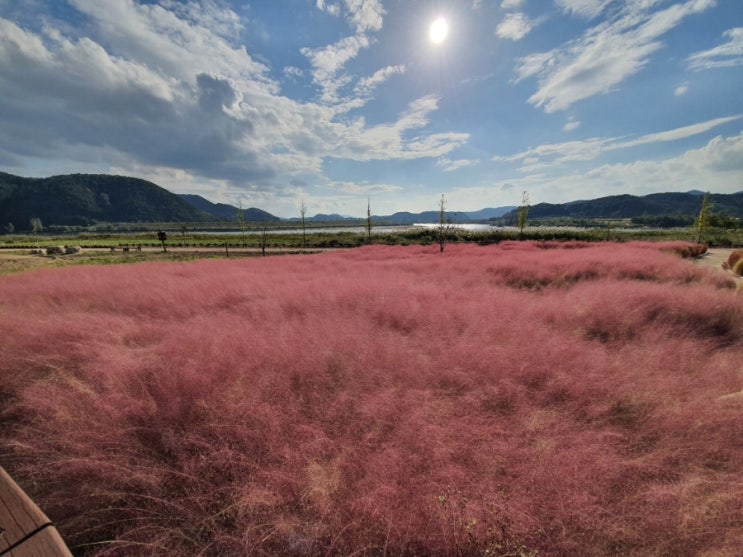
(84, 199)
(629, 206)
(226, 212)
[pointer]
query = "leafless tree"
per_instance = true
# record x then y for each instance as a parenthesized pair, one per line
(368, 221)
(443, 228)
(303, 214)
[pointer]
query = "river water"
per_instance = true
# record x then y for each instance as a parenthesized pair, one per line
(347, 229)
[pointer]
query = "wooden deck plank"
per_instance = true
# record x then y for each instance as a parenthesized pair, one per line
(20, 518)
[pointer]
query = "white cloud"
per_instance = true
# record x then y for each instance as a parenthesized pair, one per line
(727, 55)
(511, 4)
(169, 43)
(394, 141)
(208, 15)
(328, 61)
(678, 133)
(571, 125)
(293, 71)
(332, 9)
(589, 149)
(514, 27)
(606, 55)
(717, 166)
(583, 8)
(365, 15)
(681, 89)
(568, 151)
(165, 92)
(362, 188)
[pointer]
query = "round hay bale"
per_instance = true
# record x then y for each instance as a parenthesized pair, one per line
(69, 250)
(55, 250)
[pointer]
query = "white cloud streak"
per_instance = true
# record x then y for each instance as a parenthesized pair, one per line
(605, 55)
(448, 165)
(588, 9)
(727, 55)
(716, 166)
(589, 149)
(366, 85)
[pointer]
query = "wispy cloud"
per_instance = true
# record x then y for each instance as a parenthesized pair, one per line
(515, 26)
(331, 8)
(716, 166)
(604, 56)
(366, 85)
(589, 149)
(448, 165)
(681, 89)
(396, 141)
(583, 8)
(727, 55)
(362, 187)
(511, 4)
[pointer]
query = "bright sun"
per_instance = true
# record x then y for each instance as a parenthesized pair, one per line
(438, 31)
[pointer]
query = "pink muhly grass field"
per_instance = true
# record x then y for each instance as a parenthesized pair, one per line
(519, 399)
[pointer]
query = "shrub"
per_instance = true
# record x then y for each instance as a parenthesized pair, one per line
(732, 261)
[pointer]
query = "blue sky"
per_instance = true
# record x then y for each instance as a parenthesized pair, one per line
(332, 102)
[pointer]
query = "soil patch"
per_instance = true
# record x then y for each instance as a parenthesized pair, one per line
(714, 258)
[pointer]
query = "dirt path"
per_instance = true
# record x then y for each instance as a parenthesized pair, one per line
(17, 260)
(714, 258)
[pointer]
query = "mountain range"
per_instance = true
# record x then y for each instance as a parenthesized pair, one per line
(87, 199)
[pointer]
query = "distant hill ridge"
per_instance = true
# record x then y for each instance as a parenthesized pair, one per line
(628, 206)
(85, 199)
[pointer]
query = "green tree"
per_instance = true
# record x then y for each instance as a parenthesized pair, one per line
(36, 225)
(702, 222)
(523, 212)
(162, 236)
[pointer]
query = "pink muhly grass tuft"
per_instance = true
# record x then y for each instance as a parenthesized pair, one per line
(575, 399)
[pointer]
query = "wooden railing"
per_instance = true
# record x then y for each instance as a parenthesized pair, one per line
(25, 531)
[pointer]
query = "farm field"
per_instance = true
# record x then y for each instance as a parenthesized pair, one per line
(520, 399)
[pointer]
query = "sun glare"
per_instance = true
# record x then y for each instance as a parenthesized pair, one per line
(438, 31)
